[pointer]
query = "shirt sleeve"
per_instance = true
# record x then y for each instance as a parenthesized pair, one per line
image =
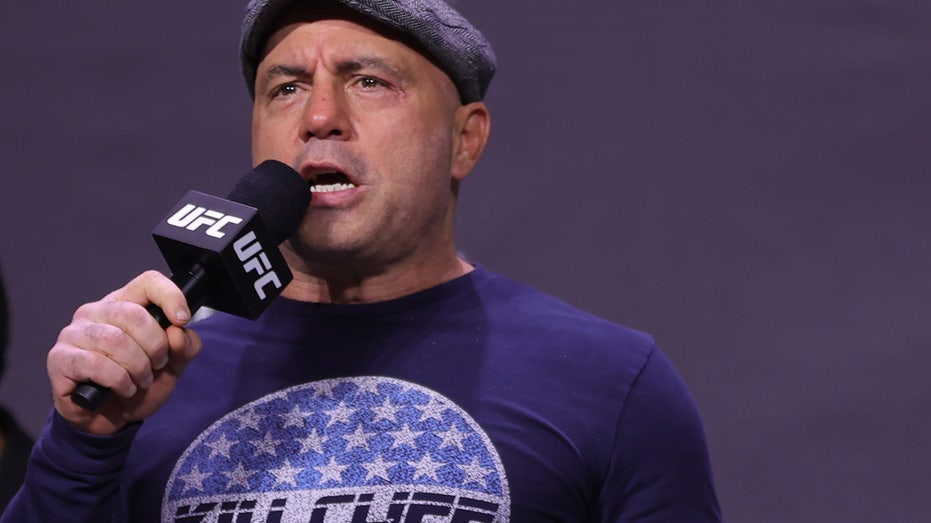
(71, 476)
(660, 470)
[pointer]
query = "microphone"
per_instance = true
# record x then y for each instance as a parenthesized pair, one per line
(223, 253)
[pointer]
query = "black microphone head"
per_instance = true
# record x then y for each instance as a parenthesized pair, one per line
(279, 194)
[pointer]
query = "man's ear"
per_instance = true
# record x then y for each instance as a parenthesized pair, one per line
(472, 125)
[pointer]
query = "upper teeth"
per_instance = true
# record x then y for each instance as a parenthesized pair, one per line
(332, 187)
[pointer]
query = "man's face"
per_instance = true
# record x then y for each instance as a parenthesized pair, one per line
(372, 125)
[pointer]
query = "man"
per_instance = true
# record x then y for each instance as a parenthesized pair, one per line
(14, 443)
(393, 381)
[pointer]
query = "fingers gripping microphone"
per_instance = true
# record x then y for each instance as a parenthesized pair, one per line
(223, 253)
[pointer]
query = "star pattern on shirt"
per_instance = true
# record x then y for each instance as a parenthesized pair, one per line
(368, 386)
(332, 471)
(475, 472)
(426, 467)
(286, 474)
(194, 480)
(405, 437)
(341, 414)
(453, 437)
(386, 411)
(312, 443)
(377, 468)
(324, 389)
(266, 445)
(432, 410)
(249, 419)
(220, 447)
(239, 476)
(294, 418)
(340, 434)
(358, 439)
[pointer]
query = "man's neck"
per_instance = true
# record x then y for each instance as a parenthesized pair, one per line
(344, 286)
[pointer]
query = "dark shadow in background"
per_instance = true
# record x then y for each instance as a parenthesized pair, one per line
(746, 181)
(15, 444)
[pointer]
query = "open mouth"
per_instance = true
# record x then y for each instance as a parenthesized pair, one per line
(330, 182)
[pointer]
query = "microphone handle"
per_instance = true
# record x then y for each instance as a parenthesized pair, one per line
(193, 283)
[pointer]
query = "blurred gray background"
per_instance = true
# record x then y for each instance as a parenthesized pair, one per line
(747, 181)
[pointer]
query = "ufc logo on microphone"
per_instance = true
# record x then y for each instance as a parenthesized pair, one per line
(192, 217)
(253, 258)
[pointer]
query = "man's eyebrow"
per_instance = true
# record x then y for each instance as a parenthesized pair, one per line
(281, 70)
(347, 66)
(368, 62)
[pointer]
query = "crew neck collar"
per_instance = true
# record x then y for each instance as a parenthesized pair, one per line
(451, 289)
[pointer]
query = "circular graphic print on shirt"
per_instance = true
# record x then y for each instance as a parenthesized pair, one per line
(347, 450)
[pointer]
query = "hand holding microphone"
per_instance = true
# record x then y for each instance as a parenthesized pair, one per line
(223, 253)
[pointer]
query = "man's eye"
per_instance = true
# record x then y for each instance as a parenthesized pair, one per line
(367, 82)
(285, 90)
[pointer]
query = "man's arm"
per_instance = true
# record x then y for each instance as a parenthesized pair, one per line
(72, 476)
(660, 470)
(75, 467)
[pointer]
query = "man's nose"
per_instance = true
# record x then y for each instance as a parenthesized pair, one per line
(325, 113)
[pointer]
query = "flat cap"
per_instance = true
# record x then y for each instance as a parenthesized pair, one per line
(453, 43)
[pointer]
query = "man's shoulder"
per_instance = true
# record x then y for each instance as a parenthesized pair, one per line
(533, 310)
(555, 337)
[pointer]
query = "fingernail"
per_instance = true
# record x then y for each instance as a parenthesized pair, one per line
(182, 315)
(133, 389)
(161, 364)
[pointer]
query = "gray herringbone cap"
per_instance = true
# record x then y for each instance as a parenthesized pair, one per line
(460, 49)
